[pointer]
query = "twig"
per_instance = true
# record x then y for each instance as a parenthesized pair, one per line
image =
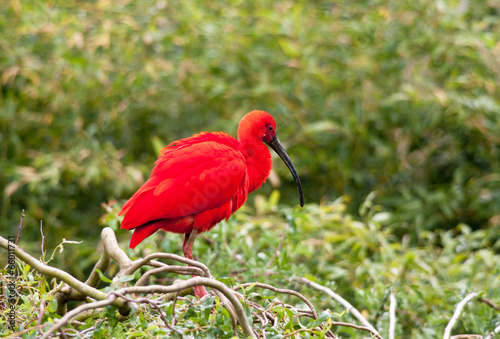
(228, 293)
(110, 246)
(363, 328)
(152, 303)
(43, 240)
(174, 320)
(281, 290)
(291, 334)
(392, 315)
(27, 330)
(185, 284)
(20, 226)
(341, 300)
(493, 333)
(467, 336)
(67, 317)
(456, 314)
(146, 260)
(176, 269)
(102, 265)
(63, 276)
(489, 303)
(415, 318)
(41, 309)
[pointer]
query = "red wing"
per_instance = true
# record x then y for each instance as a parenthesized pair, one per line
(188, 178)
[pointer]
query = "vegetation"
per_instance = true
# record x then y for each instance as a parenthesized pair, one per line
(390, 111)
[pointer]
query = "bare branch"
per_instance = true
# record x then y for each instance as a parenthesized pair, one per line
(281, 290)
(115, 252)
(27, 330)
(67, 317)
(489, 303)
(112, 298)
(176, 269)
(392, 315)
(41, 309)
(63, 276)
(20, 226)
(43, 240)
(152, 303)
(456, 314)
(493, 333)
(146, 260)
(363, 328)
(341, 300)
(291, 334)
(174, 321)
(102, 265)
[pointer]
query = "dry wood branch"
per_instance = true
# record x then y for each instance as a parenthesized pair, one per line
(176, 269)
(198, 281)
(68, 316)
(63, 276)
(341, 300)
(111, 250)
(362, 328)
(489, 303)
(281, 290)
(267, 313)
(392, 315)
(456, 314)
(20, 226)
(112, 296)
(153, 304)
(146, 260)
(102, 265)
(493, 333)
(114, 250)
(27, 330)
(41, 309)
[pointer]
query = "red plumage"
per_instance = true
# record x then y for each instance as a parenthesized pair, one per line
(201, 180)
(197, 182)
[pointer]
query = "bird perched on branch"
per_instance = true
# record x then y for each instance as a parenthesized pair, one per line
(201, 180)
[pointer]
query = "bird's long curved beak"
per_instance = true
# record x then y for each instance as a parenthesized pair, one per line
(278, 148)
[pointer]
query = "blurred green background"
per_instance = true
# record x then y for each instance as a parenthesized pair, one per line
(401, 98)
(390, 111)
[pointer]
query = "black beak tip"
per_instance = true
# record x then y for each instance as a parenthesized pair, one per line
(278, 148)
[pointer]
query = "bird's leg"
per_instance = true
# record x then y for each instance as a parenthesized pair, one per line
(187, 249)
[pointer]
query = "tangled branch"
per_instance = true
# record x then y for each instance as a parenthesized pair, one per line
(124, 297)
(351, 309)
(74, 289)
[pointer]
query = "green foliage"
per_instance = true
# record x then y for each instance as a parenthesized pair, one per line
(359, 260)
(395, 100)
(401, 97)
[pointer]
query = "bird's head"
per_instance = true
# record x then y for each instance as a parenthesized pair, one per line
(261, 124)
(258, 124)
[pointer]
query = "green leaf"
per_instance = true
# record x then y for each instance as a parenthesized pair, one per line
(102, 276)
(122, 279)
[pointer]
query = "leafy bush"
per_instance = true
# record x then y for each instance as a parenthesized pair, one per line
(397, 101)
(398, 97)
(360, 261)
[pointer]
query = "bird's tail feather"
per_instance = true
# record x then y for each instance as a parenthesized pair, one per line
(181, 225)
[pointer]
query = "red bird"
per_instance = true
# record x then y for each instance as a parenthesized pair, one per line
(199, 181)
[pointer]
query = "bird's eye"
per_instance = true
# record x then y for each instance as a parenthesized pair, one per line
(270, 127)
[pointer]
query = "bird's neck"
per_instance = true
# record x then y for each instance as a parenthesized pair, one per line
(259, 162)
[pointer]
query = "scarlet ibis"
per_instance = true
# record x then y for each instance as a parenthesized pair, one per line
(200, 180)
